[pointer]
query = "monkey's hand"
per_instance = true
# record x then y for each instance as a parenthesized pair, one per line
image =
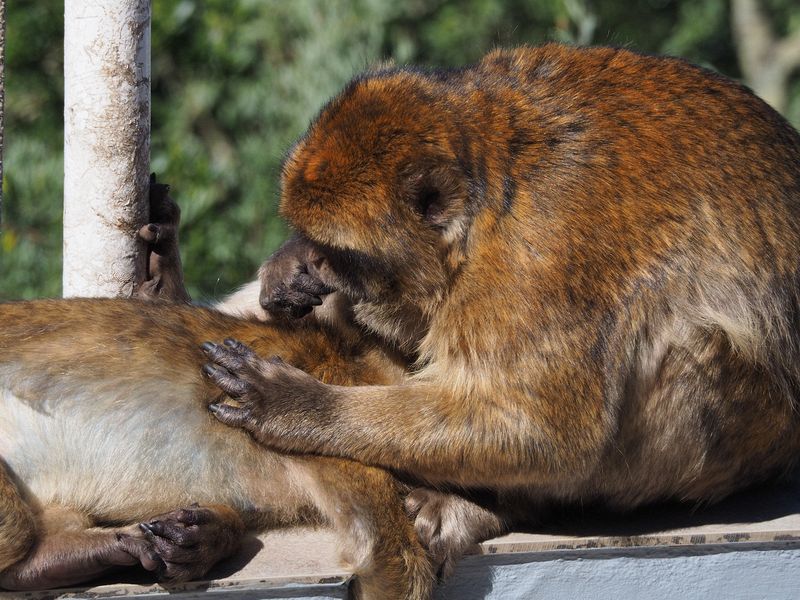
(449, 525)
(276, 402)
(164, 271)
(184, 544)
(290, 285)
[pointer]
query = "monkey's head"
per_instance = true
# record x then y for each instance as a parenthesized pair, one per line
(376, 184)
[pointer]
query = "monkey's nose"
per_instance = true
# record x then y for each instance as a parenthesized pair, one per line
(263, 299)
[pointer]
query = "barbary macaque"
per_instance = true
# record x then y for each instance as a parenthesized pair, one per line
(104, 425)
(110, 457)
(592, 258)
(291, 288)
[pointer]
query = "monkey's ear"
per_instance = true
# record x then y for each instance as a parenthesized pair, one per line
(436, 195)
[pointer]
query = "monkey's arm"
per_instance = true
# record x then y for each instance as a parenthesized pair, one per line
(515, 435)
(178, 546)
(17, 522)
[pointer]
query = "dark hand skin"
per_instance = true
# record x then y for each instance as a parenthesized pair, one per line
(290, 287)
(164, 271)
(274, 398)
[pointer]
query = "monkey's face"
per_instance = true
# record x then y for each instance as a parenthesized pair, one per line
(374, 184)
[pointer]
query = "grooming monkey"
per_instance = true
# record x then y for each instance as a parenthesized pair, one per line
(103, 424)
(591, 255)
(289, 287)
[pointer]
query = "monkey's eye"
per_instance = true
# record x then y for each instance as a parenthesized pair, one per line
(428, 204)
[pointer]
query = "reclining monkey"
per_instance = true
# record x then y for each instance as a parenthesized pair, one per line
(103, 424)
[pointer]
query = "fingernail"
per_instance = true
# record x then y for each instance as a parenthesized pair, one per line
(214, 408)
(146, 527)
(152, 227)
(209, 369)
(207, 346)
(229, 342)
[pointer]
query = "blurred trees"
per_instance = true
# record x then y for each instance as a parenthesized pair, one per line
(236, 81)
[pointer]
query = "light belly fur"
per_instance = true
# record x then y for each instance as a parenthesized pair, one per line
(128, 452)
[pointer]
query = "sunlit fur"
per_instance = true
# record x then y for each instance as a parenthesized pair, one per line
(592, 254)
(103, 411)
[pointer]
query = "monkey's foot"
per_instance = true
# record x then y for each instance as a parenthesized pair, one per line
(188, 542)
(448, 525)
(276, 401)
(164, 271)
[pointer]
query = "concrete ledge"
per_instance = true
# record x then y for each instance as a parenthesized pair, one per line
(745, 547)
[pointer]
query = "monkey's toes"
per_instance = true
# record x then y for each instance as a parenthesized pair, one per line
(436, 528)
(190, 541)
(140, 549)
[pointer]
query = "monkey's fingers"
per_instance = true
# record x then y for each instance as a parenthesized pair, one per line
(230, 415)
(235, 387)
(142, 550)
(283, 301)
(243, 350)
(175, 545)
(149, 233)
(224, 356)
(296, 298)
(233, 355)
(310, 285)
(176, 532)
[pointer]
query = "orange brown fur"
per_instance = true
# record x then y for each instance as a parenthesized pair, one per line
(103, 420)
(593, 256)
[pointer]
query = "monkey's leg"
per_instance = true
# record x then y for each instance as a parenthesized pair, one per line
(365, 505)
(177, 546)
(17, 524)
(448, 525)
(164, 270)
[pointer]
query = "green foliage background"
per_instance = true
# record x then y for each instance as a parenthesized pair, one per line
(235, 81)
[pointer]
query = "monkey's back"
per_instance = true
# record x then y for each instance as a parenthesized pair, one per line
(657, 212)
(604, 245)
(655, 208)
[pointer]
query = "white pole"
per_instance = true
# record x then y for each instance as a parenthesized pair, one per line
(2, 94)
(106, 144)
